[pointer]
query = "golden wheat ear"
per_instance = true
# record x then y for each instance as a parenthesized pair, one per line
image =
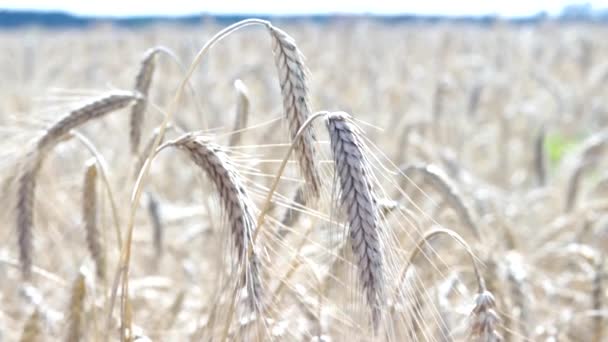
(89, 218)
(75, 331)
(236, 203)
(57, 132)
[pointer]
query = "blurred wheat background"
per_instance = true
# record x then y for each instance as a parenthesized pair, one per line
(492, 133)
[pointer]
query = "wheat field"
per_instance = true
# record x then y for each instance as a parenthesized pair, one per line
(351, 180)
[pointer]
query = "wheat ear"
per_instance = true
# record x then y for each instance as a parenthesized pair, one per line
(89, 216)
(76, 310)
(474, 100)
(293, 81)
(157, 225)
(235, 201)
(292, 213)
(25, 212)
(242, 112)
(32, 330)
(142, 86)
(540, 161)
(484, 320)
(33, 161)
(357, 199)
(93, 110)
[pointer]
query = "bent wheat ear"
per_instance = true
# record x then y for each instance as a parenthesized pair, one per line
(93, 110)
(357, 199)
(33, 161)
(142, 86)
(242, 112)
(89, 216)
(293, 80)
(235, 201)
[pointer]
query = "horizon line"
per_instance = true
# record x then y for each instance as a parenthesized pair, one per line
(286, 15)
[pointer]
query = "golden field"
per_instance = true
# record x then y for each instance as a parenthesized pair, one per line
(482, 148)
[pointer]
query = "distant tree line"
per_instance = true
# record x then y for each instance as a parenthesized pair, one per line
(14, 19)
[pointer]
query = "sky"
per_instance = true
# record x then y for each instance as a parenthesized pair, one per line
(507, 8)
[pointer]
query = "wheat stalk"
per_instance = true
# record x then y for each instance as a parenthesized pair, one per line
(294, 88)
(89, 216)
(357, 199)
(235, 201)
(438, 180)
(419, 248)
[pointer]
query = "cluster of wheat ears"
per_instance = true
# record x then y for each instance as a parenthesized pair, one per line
(327, 236)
